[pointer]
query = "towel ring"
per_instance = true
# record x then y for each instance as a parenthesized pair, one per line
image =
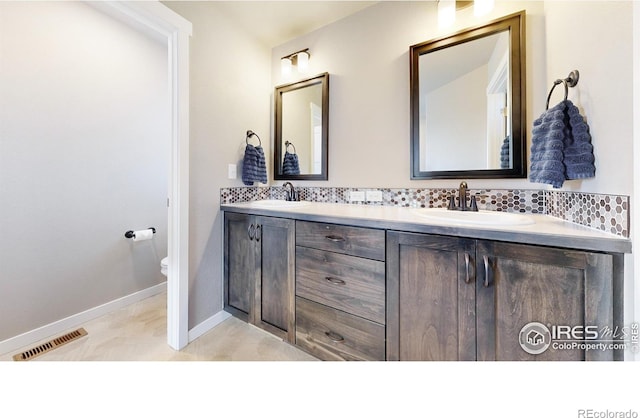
(566, 90)
(250, 133)
(570, 81)
(286, 145)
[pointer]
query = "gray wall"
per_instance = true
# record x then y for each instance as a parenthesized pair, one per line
(84, 153)
(230, 94)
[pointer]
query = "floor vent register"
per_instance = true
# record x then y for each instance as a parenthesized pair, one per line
(50, 345)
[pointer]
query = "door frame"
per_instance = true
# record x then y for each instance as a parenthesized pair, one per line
(632, 261)
(160, 22)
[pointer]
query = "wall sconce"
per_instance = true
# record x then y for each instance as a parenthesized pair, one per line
(447, 10)
(300, 59)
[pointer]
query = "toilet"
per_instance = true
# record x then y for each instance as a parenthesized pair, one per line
(164, 263)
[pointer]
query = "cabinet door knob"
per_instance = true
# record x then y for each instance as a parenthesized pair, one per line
(467, 262)
(487, 271)
(251, 231)
(335, 281)
(334, 238)
(336, 338)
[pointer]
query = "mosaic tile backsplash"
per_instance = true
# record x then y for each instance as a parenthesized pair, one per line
(609, 213)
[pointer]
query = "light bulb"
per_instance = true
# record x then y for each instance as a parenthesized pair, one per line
(303, 61)
(285, 67)
(446, 13)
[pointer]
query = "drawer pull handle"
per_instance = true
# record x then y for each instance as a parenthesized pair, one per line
(487, 271)
(336, 338)
(252, 231)
(335, 281)
(335, 238)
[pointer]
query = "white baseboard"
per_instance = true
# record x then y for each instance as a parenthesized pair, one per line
(46, 331)
(207, 325)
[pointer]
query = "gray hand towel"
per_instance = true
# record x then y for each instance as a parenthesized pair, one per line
(254, 167)
(505, 157)
(561, 146)
(578, 151)
(548, 135)
(290, 164)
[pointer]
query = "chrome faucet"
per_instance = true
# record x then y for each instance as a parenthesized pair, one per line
(291, 194)
(462, 200)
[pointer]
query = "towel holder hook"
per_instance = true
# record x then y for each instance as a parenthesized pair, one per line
(286, 145)
(570, 81)
(250, 133)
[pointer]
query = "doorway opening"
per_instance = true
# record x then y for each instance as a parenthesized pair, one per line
(159, 21)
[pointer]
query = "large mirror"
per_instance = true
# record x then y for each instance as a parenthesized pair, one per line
(302, 130)
(468, 103)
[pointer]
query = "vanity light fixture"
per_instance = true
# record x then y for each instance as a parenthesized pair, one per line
(300, 59)
(447, 10)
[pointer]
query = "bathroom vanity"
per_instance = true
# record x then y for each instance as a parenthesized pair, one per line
(356, 282)
(259, 271)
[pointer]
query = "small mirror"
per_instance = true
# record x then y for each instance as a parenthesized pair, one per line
(302, 130)
(468, 103)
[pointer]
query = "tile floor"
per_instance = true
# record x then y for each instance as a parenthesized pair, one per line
(138, 333)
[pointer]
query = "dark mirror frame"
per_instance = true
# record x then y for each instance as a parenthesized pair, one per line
(323, 80)
(515, 24)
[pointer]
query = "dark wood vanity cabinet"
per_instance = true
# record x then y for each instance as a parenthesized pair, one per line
(430, 297)
(340, 291)
(519, 284)
(343, 292)
(454, 298)
(259, 272)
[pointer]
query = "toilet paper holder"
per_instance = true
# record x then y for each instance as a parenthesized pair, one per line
(132, 234)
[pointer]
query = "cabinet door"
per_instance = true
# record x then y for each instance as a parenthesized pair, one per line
(520, 284)
(275, 289)
(430, 297)
(241, 268)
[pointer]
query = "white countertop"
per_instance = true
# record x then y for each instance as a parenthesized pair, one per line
(546, 230)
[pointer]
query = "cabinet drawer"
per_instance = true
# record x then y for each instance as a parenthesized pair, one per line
(361, 242)
(330, 334)
(352, 284)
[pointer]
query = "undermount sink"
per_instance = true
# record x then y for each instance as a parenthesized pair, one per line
(483, 218)
(274, 204)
